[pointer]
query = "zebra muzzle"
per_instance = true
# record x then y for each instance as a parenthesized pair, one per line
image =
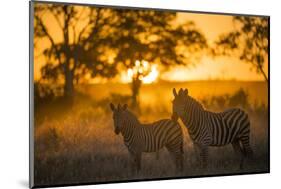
(116, 131)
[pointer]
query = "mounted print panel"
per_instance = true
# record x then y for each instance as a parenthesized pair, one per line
(121, 94)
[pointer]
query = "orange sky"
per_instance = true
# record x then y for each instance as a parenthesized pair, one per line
(220, 68)
(210, 25)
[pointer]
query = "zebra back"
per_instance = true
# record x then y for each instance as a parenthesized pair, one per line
(150, 137)
(210, 128)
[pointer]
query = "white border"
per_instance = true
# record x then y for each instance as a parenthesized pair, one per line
(14, 84)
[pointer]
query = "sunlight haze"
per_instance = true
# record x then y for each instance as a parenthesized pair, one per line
(212, 26)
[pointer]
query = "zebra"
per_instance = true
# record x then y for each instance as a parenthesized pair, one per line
(150, 137)
(213, 129)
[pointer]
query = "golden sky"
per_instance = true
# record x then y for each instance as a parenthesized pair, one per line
(220, 68)
(208, 68)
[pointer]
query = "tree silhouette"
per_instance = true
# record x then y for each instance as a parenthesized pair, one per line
(72, 57)
(142, 71)
(249, 42)
(111, 40)
(152, 36)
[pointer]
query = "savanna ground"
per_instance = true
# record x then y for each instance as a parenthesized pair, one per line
(76, 143)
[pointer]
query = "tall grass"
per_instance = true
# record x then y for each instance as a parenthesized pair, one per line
(76, 143)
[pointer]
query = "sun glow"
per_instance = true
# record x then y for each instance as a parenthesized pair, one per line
(152, 76)
(147, 73)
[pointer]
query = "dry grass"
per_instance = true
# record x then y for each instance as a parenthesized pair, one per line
(76, 144)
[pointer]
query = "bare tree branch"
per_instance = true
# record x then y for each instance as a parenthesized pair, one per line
(57, 18)
(44, 29)
(91, 21)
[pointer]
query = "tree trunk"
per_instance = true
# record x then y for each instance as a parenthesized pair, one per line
(68, 72)
(136, 84)
(68, 82)
(264, 75)
(262, 71)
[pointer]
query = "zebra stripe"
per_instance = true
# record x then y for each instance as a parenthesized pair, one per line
(213, 129)
(151, 137)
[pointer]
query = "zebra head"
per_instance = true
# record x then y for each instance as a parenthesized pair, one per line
(179, 103)
(117, 116)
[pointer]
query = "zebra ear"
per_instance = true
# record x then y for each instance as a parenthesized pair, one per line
(185, 92)
(180, 91)
(112, 107)
(175, 92)
(125, 106)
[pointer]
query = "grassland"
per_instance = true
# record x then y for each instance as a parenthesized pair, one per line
(76, 143)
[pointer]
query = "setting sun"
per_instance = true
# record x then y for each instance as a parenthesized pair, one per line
(147, 73)
(152, 76)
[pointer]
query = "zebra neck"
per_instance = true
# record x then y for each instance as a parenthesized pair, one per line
(128, 131)
(191, 119)
(188, 122)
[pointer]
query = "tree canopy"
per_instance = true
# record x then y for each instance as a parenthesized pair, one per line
(101, 41)
(248, 42)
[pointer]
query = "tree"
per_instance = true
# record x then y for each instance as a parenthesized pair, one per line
(152, 36)
(72, 58)
(112, 39)
(249, 42)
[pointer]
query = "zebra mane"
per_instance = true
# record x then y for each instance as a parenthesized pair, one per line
(131, 117)
(196, 103)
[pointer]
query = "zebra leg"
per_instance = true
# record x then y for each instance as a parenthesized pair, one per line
(178, 159)
(176, 153)
(245, 140)
(157, 155)
(138, 161)
(239, 151)
(204, 156)
(197, 150)
(180, 162)
(181, 157)
(132, 161)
